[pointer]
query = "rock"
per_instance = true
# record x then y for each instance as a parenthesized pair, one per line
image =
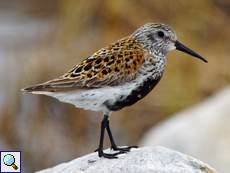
(202, 131)
(154, 160)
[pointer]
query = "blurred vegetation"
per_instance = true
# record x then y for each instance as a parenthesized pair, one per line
(49, 132)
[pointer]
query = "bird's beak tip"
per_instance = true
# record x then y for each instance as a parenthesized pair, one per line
(185, 49)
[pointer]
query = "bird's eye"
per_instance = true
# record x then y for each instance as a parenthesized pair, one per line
(160, 34)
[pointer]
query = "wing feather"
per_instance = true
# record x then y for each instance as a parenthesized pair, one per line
(110, 66)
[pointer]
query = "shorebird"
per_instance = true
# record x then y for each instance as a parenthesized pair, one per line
(116, 76)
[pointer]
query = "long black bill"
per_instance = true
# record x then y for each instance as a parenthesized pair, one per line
(183, 48)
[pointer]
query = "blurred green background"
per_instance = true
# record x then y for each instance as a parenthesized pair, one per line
(42, 39)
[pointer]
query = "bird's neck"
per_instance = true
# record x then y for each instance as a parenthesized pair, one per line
(153, 67)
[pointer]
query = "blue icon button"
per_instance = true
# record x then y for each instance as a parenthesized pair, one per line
(9, 160)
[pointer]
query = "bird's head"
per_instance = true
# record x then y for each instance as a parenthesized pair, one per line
(161, 39)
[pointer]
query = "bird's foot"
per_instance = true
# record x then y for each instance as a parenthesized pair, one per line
(124, 149)
(109, 155)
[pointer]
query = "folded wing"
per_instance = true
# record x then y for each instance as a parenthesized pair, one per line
(111, 66)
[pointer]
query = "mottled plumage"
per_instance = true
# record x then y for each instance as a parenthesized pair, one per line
(110, 66)
(117, 75)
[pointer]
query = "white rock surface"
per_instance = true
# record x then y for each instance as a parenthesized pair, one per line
(141, 160)
(202, 131)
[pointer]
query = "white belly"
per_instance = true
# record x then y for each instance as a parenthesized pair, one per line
(93, 99)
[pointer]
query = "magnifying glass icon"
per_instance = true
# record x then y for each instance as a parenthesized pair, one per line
(9, 160)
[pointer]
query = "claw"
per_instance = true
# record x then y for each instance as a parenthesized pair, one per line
(126, 149)
(109, 156)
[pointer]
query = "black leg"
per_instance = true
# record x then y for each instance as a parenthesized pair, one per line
(100, 149)
(113, 145)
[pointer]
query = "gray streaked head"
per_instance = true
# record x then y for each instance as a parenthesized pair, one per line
(161, 39)
(156, 36)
